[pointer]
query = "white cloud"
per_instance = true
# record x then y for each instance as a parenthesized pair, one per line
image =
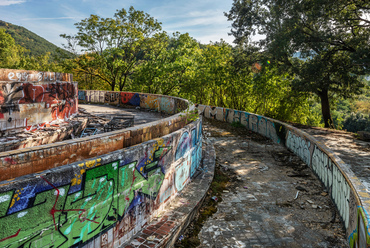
(10, 2)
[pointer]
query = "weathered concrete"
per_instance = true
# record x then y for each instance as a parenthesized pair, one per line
(99, 190)
(260, 207)
(164, 230)
(142, 116)
(354, 152)
(348, 193)
(31, 99)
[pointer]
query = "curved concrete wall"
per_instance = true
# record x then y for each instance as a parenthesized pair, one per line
(110, 185)
(346, 190)
(32, 99)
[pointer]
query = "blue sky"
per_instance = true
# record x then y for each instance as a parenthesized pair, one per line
(202, 19)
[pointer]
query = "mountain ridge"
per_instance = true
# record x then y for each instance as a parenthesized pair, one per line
(35, 44)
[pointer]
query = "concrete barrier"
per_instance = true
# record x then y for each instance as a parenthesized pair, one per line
(100, 190)
(30, 99)
(347, 192)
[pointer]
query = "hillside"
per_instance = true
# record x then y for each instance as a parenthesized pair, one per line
(29, 40)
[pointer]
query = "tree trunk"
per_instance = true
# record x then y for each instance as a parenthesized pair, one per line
(122, 85)
(325, 109)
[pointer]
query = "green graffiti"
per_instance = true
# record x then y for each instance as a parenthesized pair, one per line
(56, 218)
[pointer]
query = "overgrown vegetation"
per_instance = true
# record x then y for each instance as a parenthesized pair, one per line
(130, 52)
(209, 207)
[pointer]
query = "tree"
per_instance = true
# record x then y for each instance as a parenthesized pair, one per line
(113, 46)
(10, 52)
(167, 68)
(332, 40)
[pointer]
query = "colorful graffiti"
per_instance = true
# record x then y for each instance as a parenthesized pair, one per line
(81, 95)
(163, 104)
(112, 97)
(130, 98)
(26, 104)
(334, 180)
(79, 203)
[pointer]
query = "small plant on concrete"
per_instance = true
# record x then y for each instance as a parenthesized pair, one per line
(191, 115)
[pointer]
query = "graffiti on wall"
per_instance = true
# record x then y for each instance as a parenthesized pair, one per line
(150, 102)
(355, 217)
(232, 116)
(81, 95)
(10, 94)
(334, 180)
(25, 104)
(167, 105)
(130, 98)
(32, 76)
(95, 198)
(112, 97)
(299, 146)
(80, 203)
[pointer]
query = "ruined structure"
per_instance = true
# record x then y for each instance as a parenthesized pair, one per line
(98, 190)
(31, 99)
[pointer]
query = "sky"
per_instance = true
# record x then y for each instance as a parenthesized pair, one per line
(204, 20)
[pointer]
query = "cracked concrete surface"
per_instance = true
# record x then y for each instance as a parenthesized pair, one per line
(272, 200)
(354, 152)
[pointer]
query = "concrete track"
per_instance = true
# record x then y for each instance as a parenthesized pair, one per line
(272, 200)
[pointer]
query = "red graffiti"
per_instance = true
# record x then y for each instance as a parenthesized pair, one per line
(2, 98)
(126, 97)
(14, 235)
(10, 161)
(32, 93)
(53, 210)
(64, 111)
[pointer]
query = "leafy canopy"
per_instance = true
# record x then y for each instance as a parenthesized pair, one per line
(113, 46)
(332, 40)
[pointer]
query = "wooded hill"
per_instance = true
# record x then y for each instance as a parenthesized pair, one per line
(35, 44)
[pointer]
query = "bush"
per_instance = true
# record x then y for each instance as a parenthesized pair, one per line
(357, 122)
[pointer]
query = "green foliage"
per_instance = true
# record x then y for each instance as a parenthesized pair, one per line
(130, 52)
(357, 122)
(10, 52)
(168, 67)
(332, 40)
(34, 44)
(114, 46)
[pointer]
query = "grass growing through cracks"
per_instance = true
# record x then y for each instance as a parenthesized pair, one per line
(208, 208)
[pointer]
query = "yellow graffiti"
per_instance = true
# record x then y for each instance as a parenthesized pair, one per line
(16, 197)
(77, 179)
(92, 163)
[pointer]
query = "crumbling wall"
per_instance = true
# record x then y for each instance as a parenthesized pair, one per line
(31, 99)
(25, 161)
(101, 201)
(100, 190)
(347, 192)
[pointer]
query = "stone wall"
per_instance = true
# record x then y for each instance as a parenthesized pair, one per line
(100, 190)
(347, 192)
